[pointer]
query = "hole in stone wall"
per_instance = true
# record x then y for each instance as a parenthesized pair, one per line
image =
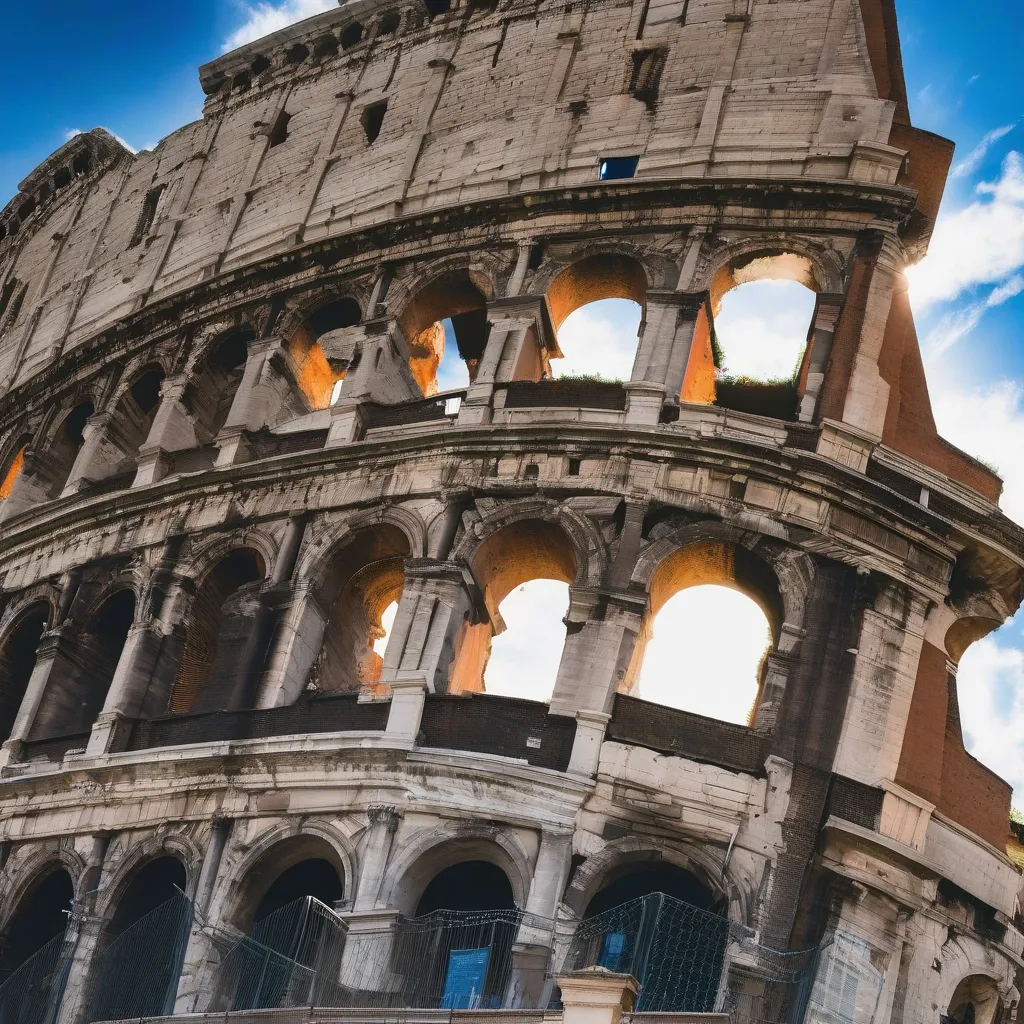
(17, 660)
(364, 580)
(372, 120)
(705, 654)
(220, 622)
(260, 64)
(277, 133)
(210, 394)
(352, 35)
(389, 23)
(61, 178)
(325, 46)
(296, 54)
(645, 76)
(77, 687)
(41, 917)
(147, 215)
(446, 325)
(614, 167)
(7, 293)
(435, 8)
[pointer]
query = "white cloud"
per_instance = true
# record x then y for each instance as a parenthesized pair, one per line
(980, 244)
(762, 328)
(961, 321)
(973, 160)
(707, 645)
(990, 692)
(988, 422)
(524, 659)
(599, 338)
(70, 133)
(262, 18)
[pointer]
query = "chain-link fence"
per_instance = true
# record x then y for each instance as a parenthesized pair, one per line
(136, 975)
(676, 951)
(33, 992)
(291, 958)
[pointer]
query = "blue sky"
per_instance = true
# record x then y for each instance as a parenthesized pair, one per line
(131, 68)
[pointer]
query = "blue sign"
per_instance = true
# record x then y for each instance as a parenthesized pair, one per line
(611, 953)
(467, 974)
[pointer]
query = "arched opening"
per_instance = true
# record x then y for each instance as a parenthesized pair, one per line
(77, 687)
(318, 372)
(220, 624)
(975, 1001)
(352, 35)
(714, 611)
(446, 327)
(763, 305)
(127, 429)
(209, 395)
(456, 952)
(363, 581)
(597, 305)
(665, 926)
(53, 467)
(524, 569)
(469, 885)
(17, 660)
(41, 918)
(389, 23)
(140, 951)
(293, 936)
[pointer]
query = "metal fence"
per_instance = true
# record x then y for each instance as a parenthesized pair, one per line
(136, 975)
(33, 992)
(676, 951)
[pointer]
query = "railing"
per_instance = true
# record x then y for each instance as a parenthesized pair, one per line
(265, 445)
(53, 748)
(573, 394)
(504, 726)
(337, 712)
(688, 735)
(423, 410)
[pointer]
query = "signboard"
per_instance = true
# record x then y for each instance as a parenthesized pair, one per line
(467, 975)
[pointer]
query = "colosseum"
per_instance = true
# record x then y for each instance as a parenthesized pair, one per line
(229, 783)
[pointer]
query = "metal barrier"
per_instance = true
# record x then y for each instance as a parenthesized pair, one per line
(33, 992)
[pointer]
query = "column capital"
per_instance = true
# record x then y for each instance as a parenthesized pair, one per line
(384, 814)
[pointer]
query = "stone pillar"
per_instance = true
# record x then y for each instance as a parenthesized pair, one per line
(173, 430)
(50, 653)
(93, 435)
(366, 962)
(408, 697)
(531, 952)
(596, 996)
(199, 966)
(519, 347)
(672, 322)
(819, 349)
(380, 837)
(433, 610)
(297, 643)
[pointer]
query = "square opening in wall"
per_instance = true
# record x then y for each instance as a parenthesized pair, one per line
(373, 119)
(612, 167)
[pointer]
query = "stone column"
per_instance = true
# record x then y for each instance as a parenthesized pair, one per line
(199, 966)
(519, 347)
(672, 323)
(173, 430)
(819, 349)
(531, 952)
(376, 852)
(297, 643)
(596, 996)
(93, 435)
(435, 604)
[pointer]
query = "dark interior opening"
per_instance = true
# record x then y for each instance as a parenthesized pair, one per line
(151, 887)
(315, 877)
(334, 316)
(17, 660)
(42, 916)
(471, 885)
(638, 882)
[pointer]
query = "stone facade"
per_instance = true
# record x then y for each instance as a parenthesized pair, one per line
(222, 457)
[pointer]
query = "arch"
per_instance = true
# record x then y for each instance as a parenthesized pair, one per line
(220, 624)
(128, 427)
(151, 883)
(212, 386)
(472, 885)
(127, 856)
(17, 660)
(363, 574)
(431, 852)
(606, 275)
(51, 466)
(40, 915)
(12, 466)
(975, 1000)
(351, 35)
(450, 307)
(315, 375)
(278, 852)
(519, 553)
(77, 685)
(621, 857)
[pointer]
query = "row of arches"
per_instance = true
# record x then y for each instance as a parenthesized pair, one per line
(752, 355)
(218, 654)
